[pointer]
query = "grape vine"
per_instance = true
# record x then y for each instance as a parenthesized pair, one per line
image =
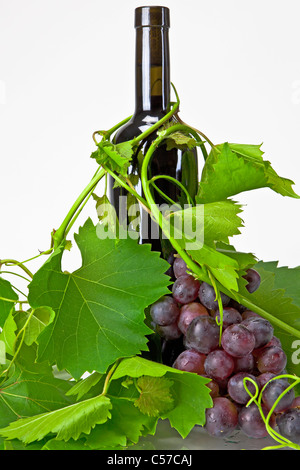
(94, 324)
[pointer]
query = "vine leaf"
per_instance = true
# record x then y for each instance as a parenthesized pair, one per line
(99, 308)
(245, 260)
(210, 223)
(126, 426)
(155, 395)
(234, 168)
(83, 386)
(8, 333)
(7, 299)
(68, 422)
(201, 228)
(26, 394)
(178, 140)
(116, 156)
(285, 277)
(191, 396)
(34, 322)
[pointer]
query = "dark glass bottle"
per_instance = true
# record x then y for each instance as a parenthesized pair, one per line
(152, 101)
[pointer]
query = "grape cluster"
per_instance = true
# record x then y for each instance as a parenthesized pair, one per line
(187, 321)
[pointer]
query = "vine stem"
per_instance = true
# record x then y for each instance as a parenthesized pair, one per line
(276, 321)
(154, 209)
(129, 188)
(59, 234)
(13, 262)
(21, 333)
(174, 181)
(109, 132)
(15, 274)
(9, 300)
(220, 305)
(196, 131)
(109, 375)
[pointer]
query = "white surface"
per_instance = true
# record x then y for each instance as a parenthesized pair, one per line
(167, 438)
(67, 69)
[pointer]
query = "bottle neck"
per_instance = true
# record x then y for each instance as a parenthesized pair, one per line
(152, 70)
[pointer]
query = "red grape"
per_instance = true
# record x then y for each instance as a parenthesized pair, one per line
(169, 332)
(222, 418)
(219, 365)
(203, 334)
(179, 267)
(207, 297)
(272, 392)
(237, 340)
(165, 311)
(244, 364)
(289, 425)
(188, 312)
(230, 316)
(251, 422)
(261, 328)
(237, 390)
(185, 289)
(253, 279)
(272, 359)
(190, 361)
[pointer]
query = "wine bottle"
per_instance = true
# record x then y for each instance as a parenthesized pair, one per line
(152, 102)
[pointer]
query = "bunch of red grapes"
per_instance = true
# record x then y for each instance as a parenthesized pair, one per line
(187, 322)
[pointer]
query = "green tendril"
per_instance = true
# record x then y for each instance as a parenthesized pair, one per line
(220, 304)
(253, 397)
(257, 399)
(177, 183)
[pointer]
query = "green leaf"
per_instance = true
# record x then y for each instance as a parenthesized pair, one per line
(209, 223)
(179, 140)
(285, 278)
(99, 307)
(127, 425)
(26, 360)
(234, 168)
(116, 156)
(83, 386)
(155, 395)
(34, 321)
(223, 267)
(275, 297)
(67, 423)
(27, 394)
(199, 229)
(8, 334)
(7, 299)
(244, 260)
(248, 151)
(15, 444)
(191, 396)
(55, 444)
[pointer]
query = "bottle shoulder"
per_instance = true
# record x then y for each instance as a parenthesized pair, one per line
(137, 124)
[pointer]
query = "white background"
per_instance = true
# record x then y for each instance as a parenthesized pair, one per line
(67, 69)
